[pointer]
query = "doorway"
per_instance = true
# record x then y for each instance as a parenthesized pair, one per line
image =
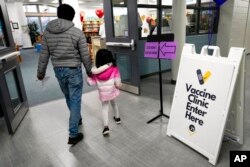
(13, 100)
(121, 39)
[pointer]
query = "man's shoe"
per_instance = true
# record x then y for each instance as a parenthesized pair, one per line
(105, 130)
(80, 121)
(75, 140)
(117, 120)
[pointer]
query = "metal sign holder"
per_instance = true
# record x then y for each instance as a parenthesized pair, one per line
(160, 38)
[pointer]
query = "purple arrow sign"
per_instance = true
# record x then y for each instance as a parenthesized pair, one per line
(151, 50)
(167, 50)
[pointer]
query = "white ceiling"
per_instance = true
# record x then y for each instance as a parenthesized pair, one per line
(85, 3)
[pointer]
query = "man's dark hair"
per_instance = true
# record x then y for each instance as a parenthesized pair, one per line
(104, 56)
(66, 12)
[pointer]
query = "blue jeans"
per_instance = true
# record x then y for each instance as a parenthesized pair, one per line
(71, 83)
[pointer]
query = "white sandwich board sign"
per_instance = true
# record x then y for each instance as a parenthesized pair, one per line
(203, 93)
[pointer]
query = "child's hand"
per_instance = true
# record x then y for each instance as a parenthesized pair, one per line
(118, 85)
(87, 80)
(91, 81)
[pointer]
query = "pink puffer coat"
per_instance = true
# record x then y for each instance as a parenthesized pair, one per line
(108, 80)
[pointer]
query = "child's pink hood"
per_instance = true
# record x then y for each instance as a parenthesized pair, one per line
(105, 75)
(104, 72)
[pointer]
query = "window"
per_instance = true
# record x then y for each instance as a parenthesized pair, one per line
(120, 18)
(120, 21)
(148, 14)
(45, 20)
(148, 18)
(192, 15)
(207, 20)
(47, 9)
(201, 16)
(6, 43)
(40, 14)
(148, 2)
(13, 89)
(167, 2)
(208, 3)
(36, 20)
(31, 8)
(2, 36)
(166, 21)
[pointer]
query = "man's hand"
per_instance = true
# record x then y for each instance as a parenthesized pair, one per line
(89, 74)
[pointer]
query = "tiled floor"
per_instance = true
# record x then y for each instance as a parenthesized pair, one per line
(41, 139)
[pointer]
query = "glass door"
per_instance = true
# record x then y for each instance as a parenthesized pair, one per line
(12, 93)
(121, 20)
(13, 100)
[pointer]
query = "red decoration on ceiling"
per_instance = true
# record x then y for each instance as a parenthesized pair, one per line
(82, 16)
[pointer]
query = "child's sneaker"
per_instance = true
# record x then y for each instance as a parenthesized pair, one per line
(105, 130)
(117, 120)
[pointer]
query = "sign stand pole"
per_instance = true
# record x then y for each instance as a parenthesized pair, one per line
(161, 99)
(158, 39)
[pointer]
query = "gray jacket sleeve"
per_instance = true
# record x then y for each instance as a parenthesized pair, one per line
(84, 53)
(43, 58)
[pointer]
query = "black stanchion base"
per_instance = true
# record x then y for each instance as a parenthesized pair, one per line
(158, 116)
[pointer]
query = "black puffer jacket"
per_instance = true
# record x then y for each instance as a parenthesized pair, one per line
(65, 44)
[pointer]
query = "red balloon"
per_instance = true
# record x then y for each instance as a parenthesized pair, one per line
(99, 12)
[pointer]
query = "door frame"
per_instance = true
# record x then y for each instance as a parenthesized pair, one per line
(13, 116)
(134, 85)
(8, 62)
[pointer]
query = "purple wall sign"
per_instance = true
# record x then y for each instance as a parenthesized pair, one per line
(167, 50)
(151, 50)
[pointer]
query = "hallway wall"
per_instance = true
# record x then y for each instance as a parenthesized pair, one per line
(233, 25)
(17, 15)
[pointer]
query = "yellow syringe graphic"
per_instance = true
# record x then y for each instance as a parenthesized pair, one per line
(206, 76)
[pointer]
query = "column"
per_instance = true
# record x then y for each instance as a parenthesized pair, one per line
(75, 5)
(24, 25)
(247, 36)
(17, 15)
(13, 17)
(179, 29)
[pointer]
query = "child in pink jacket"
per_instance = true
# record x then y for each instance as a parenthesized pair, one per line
(107, 78)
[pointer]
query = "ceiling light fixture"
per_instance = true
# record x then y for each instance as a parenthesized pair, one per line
(33, 0)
